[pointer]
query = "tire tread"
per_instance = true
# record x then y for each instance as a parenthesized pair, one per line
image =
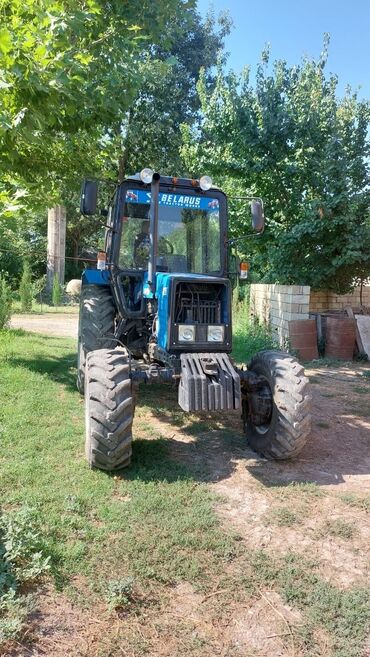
(109, 405)
(290, 387)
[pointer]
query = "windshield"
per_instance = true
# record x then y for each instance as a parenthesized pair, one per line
(188, 233)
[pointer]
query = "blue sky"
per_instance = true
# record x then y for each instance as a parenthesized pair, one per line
(296, 28)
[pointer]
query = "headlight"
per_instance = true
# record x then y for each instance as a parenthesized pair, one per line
(186, 333)
(146, 175)
(205, 183)
(215, 333)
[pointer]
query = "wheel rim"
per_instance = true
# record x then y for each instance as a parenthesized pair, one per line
(259, 406)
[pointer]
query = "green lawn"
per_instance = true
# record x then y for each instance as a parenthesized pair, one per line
(136, 534)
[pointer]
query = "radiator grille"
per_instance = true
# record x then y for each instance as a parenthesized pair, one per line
(198, 303)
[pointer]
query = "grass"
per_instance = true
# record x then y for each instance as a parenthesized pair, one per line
(282, 517)
(248, 338)
(361, 502)
(361, 390)
(93, 523)
(135, 535)
(337, 527)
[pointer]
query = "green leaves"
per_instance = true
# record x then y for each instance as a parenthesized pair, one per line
(290, 139)
(69, 73)
(5, 41)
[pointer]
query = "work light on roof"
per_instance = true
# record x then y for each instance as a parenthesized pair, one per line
(205, 183)
(146, 175)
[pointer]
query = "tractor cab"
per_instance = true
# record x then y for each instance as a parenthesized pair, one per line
(157, 308)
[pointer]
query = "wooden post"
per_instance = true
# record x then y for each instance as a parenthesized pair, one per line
(56, 244)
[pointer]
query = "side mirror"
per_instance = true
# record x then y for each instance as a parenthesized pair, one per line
(258, 217)
(89, 197)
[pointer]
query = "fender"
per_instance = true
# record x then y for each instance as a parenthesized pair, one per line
(95, 277)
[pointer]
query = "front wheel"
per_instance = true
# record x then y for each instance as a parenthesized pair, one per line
(109, 409)
(276, 414)
(96, 326)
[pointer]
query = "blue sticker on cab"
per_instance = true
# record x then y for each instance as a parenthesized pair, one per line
(191, 202)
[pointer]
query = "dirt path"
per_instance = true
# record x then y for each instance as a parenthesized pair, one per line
(271, 504)
(64, 325)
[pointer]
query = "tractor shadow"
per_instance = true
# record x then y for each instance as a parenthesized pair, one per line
(60, 369)
(213, 446)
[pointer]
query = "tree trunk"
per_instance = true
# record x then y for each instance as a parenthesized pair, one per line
(56, 249)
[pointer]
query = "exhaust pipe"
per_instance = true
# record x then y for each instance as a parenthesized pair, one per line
(153, 229)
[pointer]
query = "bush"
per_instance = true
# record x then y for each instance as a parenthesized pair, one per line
(25, 289)
(22, 562)
(5, 303)
(249, 337)
(57, 291)
(38, 286)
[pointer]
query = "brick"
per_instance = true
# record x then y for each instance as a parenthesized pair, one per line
(300, 298)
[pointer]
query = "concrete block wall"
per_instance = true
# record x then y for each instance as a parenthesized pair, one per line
(321, 300)
(277, 305)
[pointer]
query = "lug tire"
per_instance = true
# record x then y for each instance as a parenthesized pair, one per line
(290, 422)
(96, 326)
(109, 408)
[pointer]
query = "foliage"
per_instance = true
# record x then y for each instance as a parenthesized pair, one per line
(25, 288)
(60, 62)
(22, 562)
(167, 96)
(56, 294)
(291, 140)
(5, 302)
(38, 286)
(248, 337)
(120, 593)
(22, 546)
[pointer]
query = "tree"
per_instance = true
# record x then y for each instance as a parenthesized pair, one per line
(25, 288)
(69, 74)
(69, 71)
(5, 302)
(167, 97)
(291, 140)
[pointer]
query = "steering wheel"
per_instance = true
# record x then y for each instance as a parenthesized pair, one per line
(163, 242)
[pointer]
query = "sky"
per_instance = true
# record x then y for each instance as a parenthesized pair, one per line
(295, 28)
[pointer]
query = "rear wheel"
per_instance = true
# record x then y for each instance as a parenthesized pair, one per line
(276, 415)
(96, 326)
(109, 409)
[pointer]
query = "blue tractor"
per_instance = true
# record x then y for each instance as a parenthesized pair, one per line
(156, 307)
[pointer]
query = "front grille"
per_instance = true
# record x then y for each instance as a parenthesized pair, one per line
(198, 303)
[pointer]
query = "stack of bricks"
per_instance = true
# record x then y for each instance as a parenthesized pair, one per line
(319, 301)
(277, 305)
(322, 300)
